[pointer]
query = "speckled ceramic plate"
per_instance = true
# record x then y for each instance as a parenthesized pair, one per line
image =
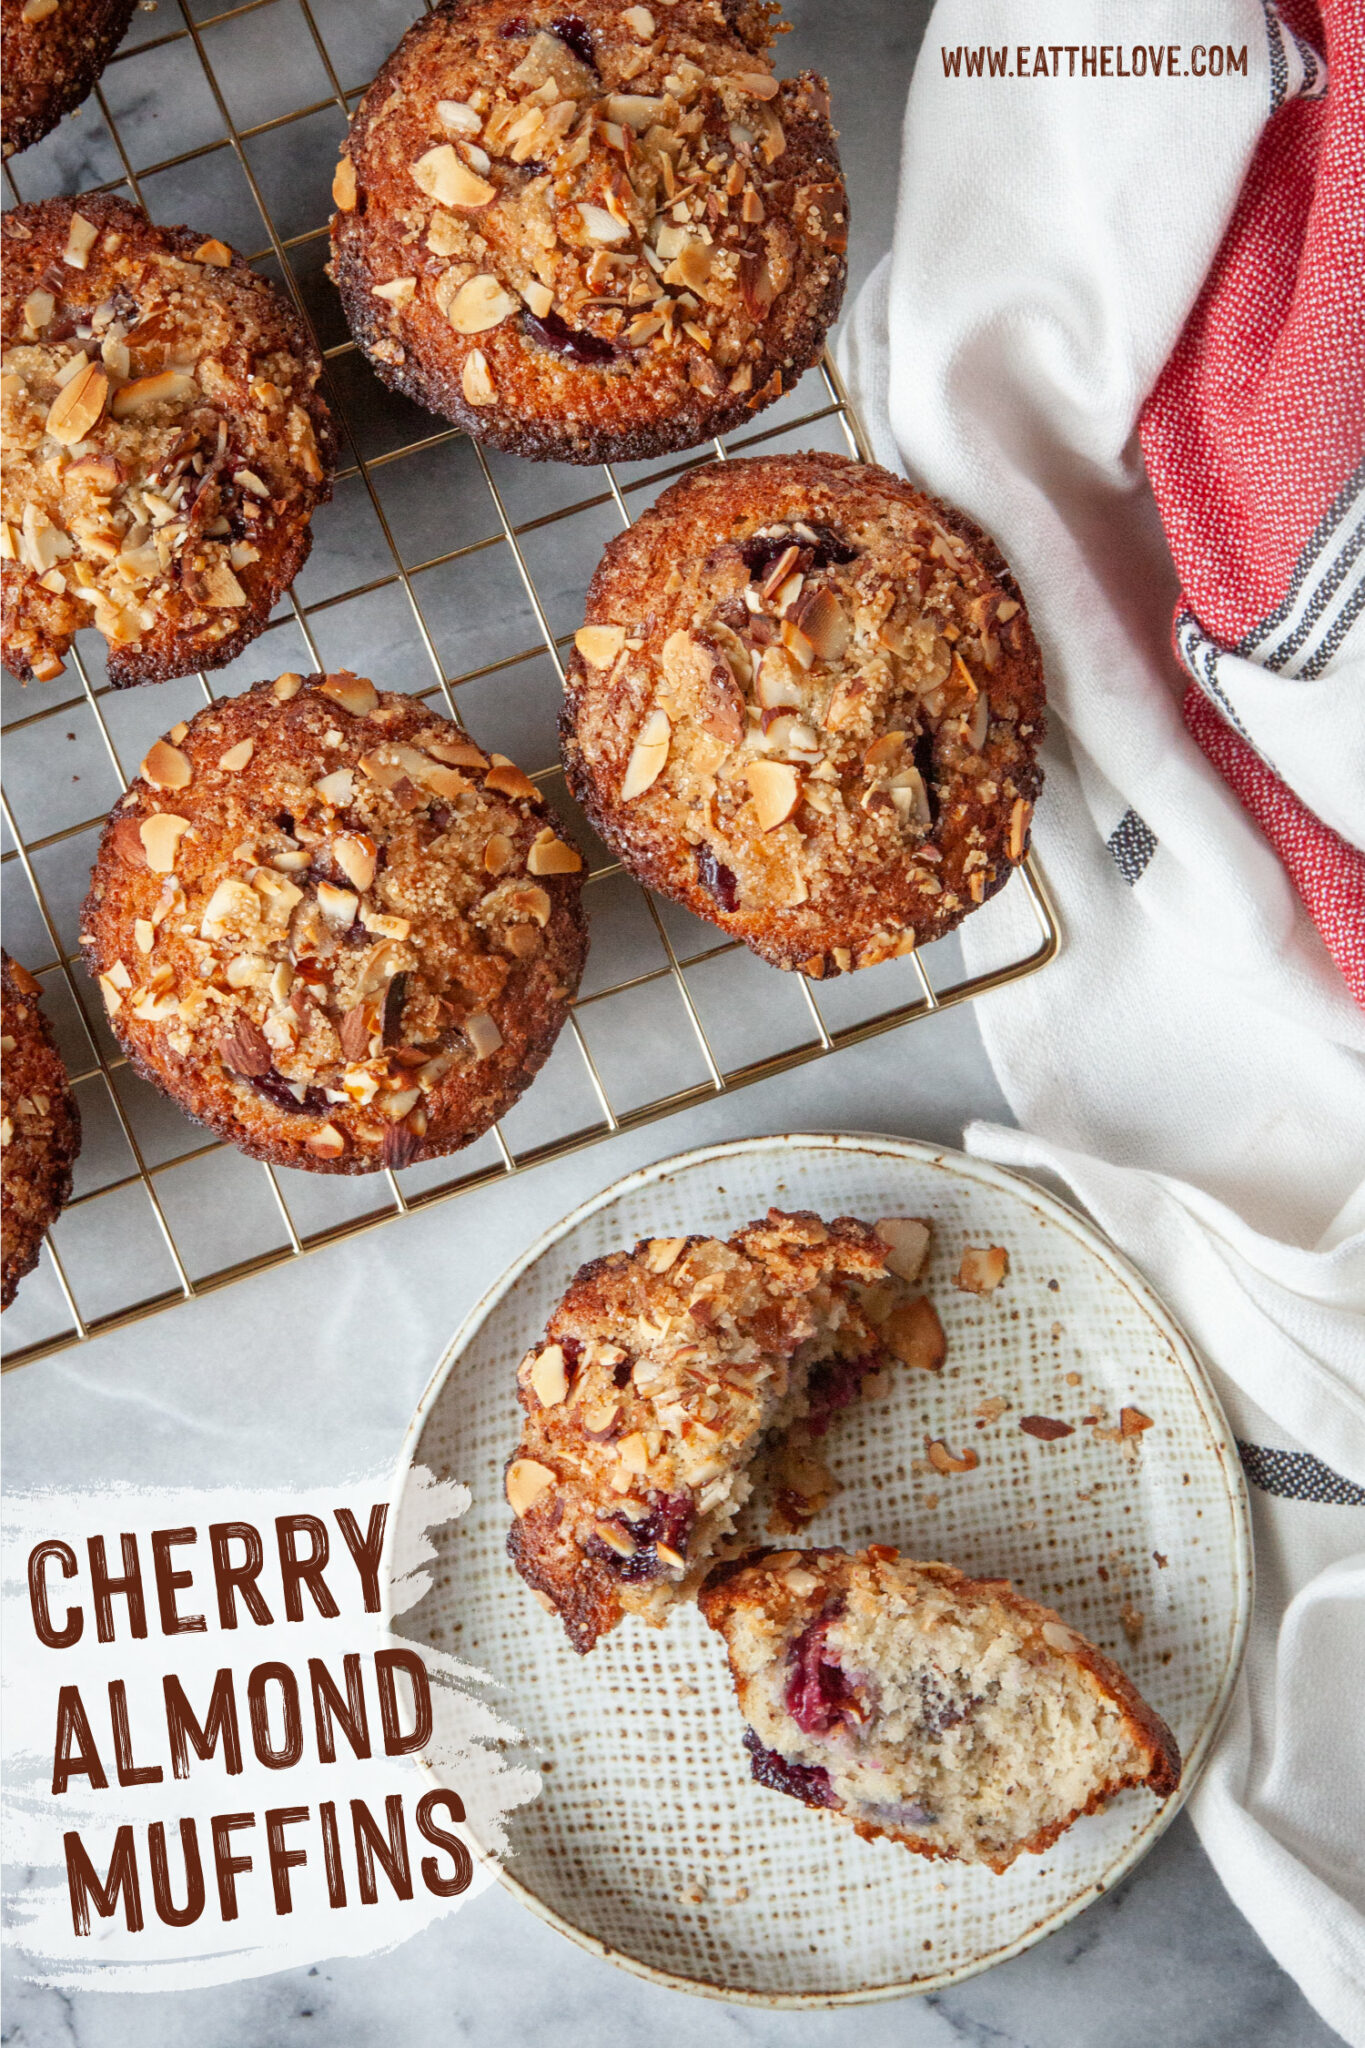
(649, 1843)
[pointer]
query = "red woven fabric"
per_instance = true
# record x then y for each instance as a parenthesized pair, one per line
(1258, 420)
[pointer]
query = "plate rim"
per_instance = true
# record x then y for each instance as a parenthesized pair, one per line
(964, 1165)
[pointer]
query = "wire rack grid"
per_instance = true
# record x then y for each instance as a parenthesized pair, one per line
(438, 568)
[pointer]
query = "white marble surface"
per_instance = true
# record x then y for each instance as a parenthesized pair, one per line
(313, 1371)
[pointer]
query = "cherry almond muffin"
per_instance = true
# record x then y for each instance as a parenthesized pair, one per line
(332, 928)
(591, 235)
(40, 1127)
(165, 442)
(665, 1371)
(54, 50)
(807, 705)
(951, 1715)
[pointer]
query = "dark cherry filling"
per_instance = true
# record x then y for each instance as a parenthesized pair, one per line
(820, 1695)
(668, 1523)
(721, 881)
(809, 1782)
(276, 1089)
(834, 1385)
(820, 545)
(576, 343)
(924, 761)
(572, 31)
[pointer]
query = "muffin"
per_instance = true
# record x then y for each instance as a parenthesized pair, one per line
(54, 50)
(807, 705)
(662, 1372)
(166, 443)
(951, 1715)
(593, 236)
(40, 1127)
(332, 928)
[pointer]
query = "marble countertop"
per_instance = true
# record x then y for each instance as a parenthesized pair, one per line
(313, 1371)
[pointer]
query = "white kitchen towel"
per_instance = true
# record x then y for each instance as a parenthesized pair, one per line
(1191, 1066)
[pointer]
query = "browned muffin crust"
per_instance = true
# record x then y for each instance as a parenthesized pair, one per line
(332, 928)
(166, 443)
(591, 236)
(40, 1127)
(807, 704)
(54, 50)
(662, 1372)
(775, 1610)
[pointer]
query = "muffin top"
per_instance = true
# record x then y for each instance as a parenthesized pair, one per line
(806, 703)
(591, 235)
(165, 443)
(40, 1126)
(333, 927)
(54, 52)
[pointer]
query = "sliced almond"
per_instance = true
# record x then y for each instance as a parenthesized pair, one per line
(527, 1482)
(506, 779)
(233, 902)
(356, 856)
(338, 788)
(479, 304)
(78, 405)
(144, 934)
(161, 834)
(399, 291)
(459, 753)
(648, 756)
(476, 379)
(639, 21)
(444, 177)
(549, 1377)
(600, 645)
(459, 117)
(338, 906)
(601, 226)
(1058, 1636)
(166, 767)
(286, 686)
(633, 1453)
(907, 1239)
(663, 1253)
(983, 1268)
(550, 855)
(615, 1538)
(498, 854)
(81, 238)
(776, 790)
(327, 1143)
(166, 387)
(483, 1034)
(914, 1334)
(215, 253)
(236, 758)
(1020, 818)
(538, 297)
(943, 1460)
(344, 186)
(530, 901)
(825, 624)
(355, 694)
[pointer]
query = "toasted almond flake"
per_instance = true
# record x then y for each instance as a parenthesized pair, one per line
(327, 1143)
(648, 756)
(165, 387)
(760, 85)
(982, 1269)
(338, 788)
(338, 906)
(600, 645)
(1132, 1422)
(664, 1253)
(356, 857)
(538, 297)
(476, 379)
(459, 753)
(483, 1034)
(1058, 1636)
(479, 304)
(399, 291)
(531, 901)
(113, 996)
(800, 1582)
(119, 975)
(550, 855)
(549, 1377)
(166, 767)
(633, 1453)
(443, 177)
(384, 926)
(144, 934)
(355, 694)
(78, 405)
(39, 307)
(160, 835)
(232, 902)
(907, 1239)
(943, 1460)
(498, 854)
(527, 1482)
(459, 117)
(775, 789)
(506, 779)
(343, 186)
(615, 1538)
(81, 238)
(213, 252)
(914, 1334)
(601, 226)
(286, 686)
(237, 757)
(639, 21)
(1020, 818)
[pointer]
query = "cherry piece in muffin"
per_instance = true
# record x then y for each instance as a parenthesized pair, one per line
(332, 928)
(591, 235)
(166, 445)
(950, 1714)
(40, 1127)
(807, 705)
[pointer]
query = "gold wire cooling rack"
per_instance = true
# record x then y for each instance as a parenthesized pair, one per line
(434, 560)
